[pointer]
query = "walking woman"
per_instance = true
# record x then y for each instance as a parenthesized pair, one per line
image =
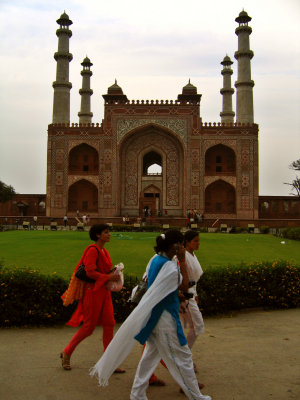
(95, 304)
(192, 317)
(155, 321)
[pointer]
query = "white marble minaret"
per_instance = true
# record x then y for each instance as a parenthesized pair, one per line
(227, 115)
(62, 86)
(244, 84)
(85, 114)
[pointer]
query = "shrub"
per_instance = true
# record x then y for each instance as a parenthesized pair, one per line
(264, 229)
(274, 285)
(29, 298)
(122, 308)
(291, 233)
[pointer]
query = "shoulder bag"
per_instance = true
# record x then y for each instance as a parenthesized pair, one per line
(81, 273)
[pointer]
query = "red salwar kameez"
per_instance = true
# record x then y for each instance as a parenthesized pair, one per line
(95, 304)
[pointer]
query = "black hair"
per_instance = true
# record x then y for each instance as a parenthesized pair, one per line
(97, 230)
(190, 235)
(167, 239)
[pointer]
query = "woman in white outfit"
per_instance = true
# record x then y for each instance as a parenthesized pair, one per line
(192, 317)
(155, 321)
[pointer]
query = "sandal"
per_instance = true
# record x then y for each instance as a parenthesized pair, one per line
(119, 371)
(158, 382)
(65, 361)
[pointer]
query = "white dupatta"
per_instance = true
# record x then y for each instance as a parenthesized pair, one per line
(166, 282)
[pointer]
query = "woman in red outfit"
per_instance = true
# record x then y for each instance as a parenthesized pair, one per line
(95, 304)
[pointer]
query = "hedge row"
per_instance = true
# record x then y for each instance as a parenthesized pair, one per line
(263, 284)
(28, 298)
(291, 233)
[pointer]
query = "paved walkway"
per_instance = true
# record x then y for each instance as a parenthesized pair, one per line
(249, 356)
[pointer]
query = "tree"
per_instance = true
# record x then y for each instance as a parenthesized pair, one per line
(6, 192)
(295, 165)
(296, 182)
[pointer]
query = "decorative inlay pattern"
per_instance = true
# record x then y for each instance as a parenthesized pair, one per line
(245, 203)
(195, 178)
(178, 126)
(212, 142)
(75, 178)
(131, 166)
(210, 179)
(58, 200)
(107, 156)
(59, 159)
(245, 175)
(245, 180)
(59, 178)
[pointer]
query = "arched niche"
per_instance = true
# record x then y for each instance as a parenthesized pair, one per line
(83, 196)
(220, 160)
(83, 160)
(139, 150)
(220, 198)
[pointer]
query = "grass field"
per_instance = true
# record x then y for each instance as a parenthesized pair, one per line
(60, 251)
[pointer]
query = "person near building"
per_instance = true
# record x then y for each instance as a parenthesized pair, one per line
(65, 221)
(95, 305)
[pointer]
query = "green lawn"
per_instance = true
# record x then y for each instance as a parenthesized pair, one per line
(60, 251)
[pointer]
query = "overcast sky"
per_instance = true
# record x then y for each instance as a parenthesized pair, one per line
(152, 48)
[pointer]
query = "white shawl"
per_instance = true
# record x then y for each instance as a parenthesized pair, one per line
(123, 342)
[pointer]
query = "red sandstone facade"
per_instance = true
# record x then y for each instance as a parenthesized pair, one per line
(102, 170)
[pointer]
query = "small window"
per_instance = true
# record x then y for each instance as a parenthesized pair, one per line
(84, 205)
(85, 168)
(218, 168)
(218, 159)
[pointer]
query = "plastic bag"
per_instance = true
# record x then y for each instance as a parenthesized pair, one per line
(118, 285)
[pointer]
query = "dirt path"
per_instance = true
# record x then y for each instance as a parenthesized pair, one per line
(250, 356)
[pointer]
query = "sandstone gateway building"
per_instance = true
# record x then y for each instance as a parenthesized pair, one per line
(102, 169)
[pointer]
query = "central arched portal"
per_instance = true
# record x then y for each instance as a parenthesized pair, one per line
(151, 172)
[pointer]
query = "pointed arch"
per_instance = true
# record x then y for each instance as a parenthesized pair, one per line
(83, 159)
(149, 159)
(220, 198)
(83, 196)
(220, 160)
(139, 150)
